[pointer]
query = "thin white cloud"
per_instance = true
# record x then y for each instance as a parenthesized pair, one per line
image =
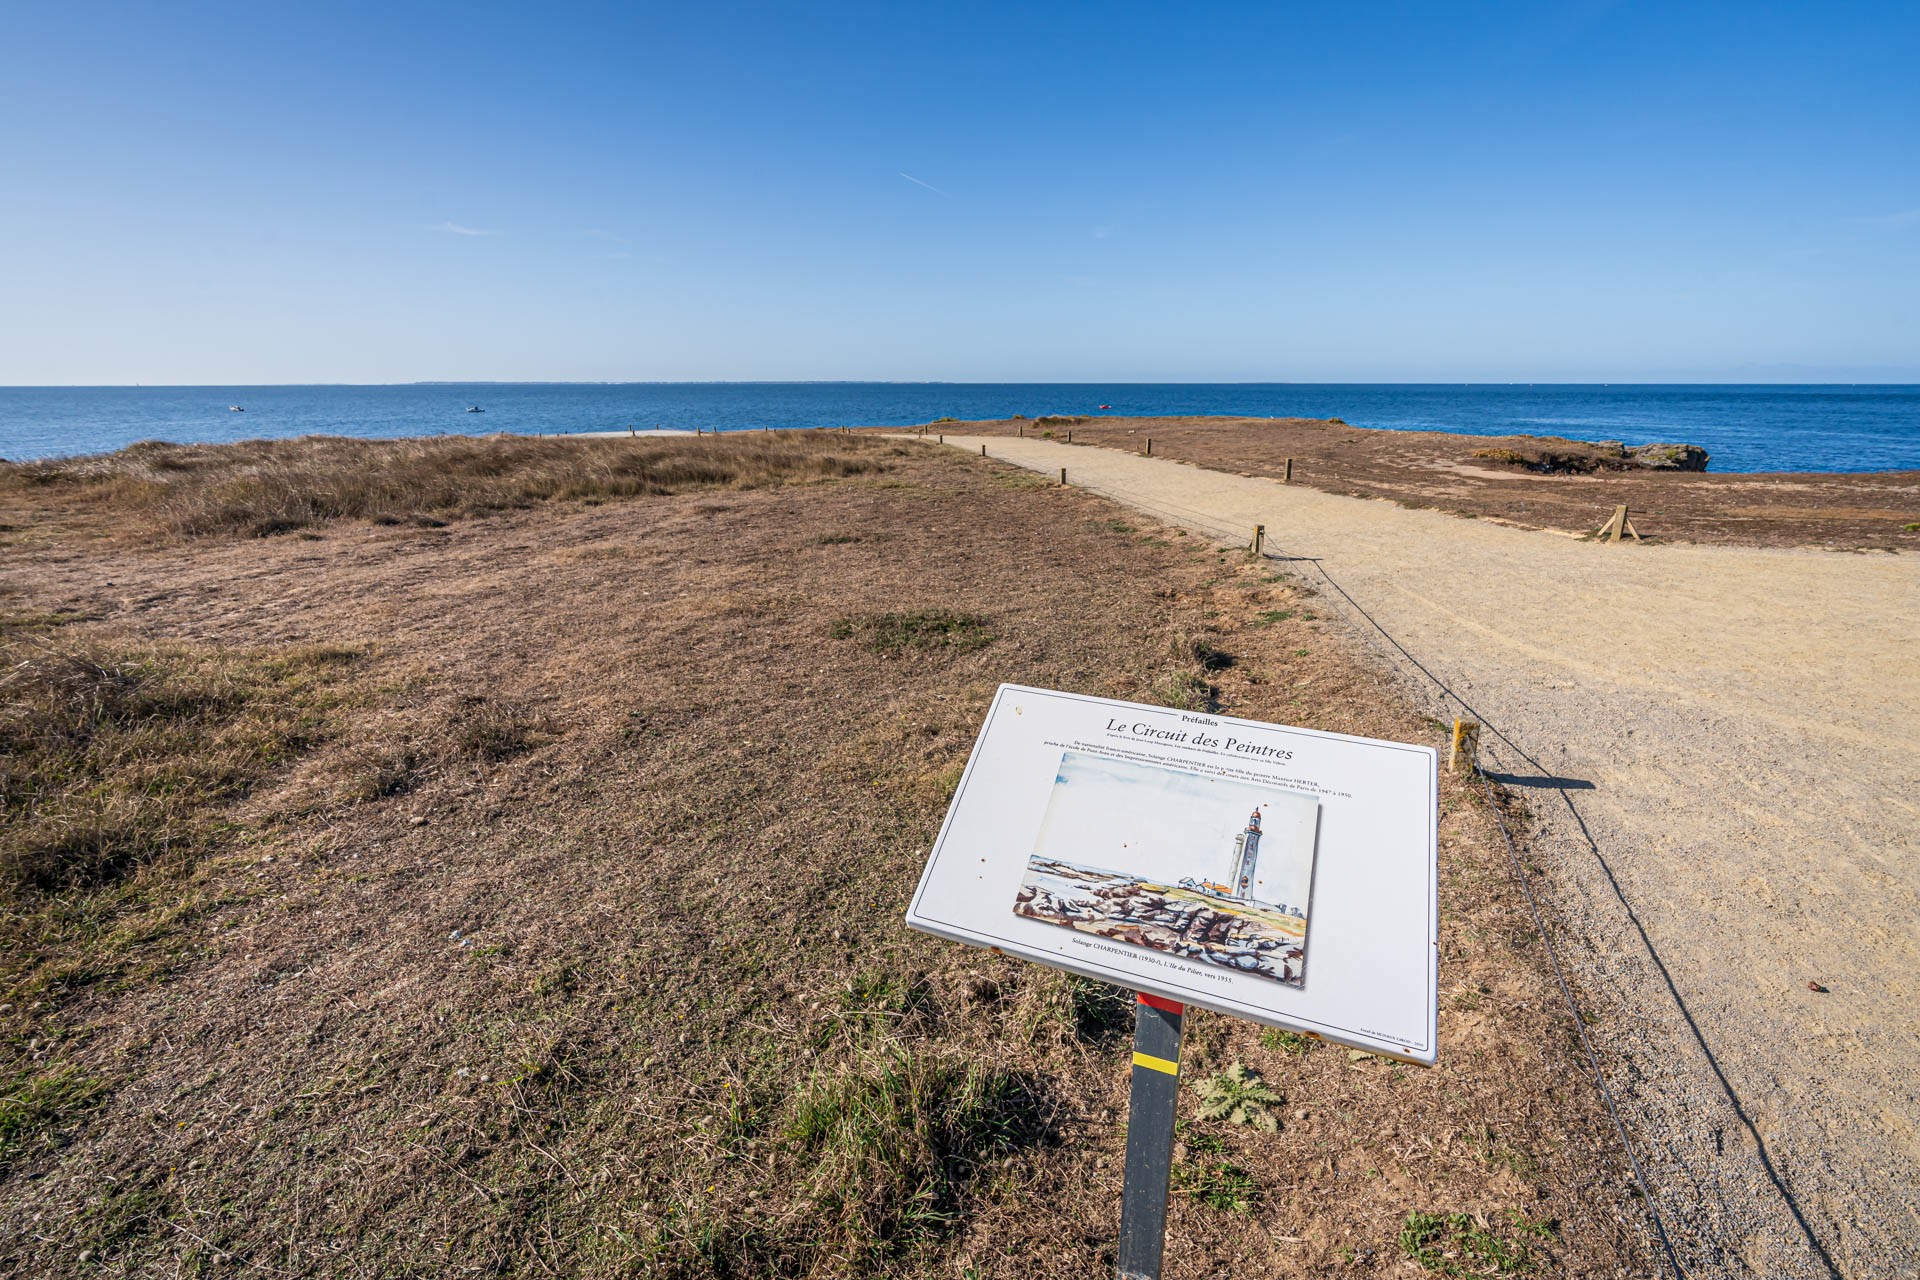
(928, 185)
(459, 230)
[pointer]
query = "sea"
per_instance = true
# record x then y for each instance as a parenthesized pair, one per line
(1744, 428)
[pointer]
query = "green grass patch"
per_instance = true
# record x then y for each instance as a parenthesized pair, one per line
(925, 630)
(33, 1103)
(1287, 1041)
(1185, 691)
(892, 1141)
(1460, 1244)
(1101, 1012)
(1218, 1184)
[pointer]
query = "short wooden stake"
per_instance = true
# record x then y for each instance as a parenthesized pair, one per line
(1023, 431)
(1151, 1104)
(1063, 477)
(1617, 525)
(1149, 446)
(1259, 539)
(1287, 478)
(631, 432)
(1466, 741)
(943, 437)
(1069, 437)
(983, 451)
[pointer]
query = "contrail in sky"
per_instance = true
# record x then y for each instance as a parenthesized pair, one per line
(928, 185)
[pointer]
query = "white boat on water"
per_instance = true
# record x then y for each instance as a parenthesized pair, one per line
(474, 408)
(234, 408)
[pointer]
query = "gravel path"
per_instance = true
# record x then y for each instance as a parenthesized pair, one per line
(1719, 744)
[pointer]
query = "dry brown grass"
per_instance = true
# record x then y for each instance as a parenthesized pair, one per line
(113, 756)
(574, 946)
(266, 487)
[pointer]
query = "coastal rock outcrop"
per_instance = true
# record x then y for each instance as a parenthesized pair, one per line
(1554, 456)
(1669, 457)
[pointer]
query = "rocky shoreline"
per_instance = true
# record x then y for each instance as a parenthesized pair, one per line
(1160, 917)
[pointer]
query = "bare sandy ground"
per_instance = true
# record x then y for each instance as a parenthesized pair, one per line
(1720, 744)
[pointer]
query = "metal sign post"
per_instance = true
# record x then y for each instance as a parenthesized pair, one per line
(1150, 1110)
(1176, 854)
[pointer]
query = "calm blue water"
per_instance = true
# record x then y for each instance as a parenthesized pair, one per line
(1744, 428)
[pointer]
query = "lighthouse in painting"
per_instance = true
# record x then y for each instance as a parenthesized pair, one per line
(1246, 859)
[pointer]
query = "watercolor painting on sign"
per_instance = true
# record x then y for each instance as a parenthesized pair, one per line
(1212, 869)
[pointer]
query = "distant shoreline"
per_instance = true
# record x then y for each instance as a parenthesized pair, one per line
(1535, 482)
(1771, 428)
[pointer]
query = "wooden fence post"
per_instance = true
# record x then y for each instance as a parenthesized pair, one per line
(1466, 740)
(1259, 540)
(1149, 446)
(1288, 477)
(1063, 477)
(1617, 525)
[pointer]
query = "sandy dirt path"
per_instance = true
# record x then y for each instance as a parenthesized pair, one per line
(1720, 744)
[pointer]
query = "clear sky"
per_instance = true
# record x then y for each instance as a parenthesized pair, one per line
(1108, 192)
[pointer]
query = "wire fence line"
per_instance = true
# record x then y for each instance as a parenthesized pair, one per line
(1814, 1245)
(1213, 527)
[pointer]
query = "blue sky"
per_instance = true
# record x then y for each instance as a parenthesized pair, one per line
(1101, 192)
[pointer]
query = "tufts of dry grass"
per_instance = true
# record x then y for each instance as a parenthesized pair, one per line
(264, 487)
(465, 729)
(114, 756)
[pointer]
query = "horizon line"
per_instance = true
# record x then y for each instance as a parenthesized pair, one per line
(942, 382)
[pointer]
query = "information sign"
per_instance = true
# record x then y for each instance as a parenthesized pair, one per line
(1283, 875)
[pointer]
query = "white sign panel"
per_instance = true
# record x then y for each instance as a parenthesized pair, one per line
(1276, 874)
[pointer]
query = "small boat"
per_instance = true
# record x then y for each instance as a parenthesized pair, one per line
(234, 408)
(1106, 406)
(474, 408)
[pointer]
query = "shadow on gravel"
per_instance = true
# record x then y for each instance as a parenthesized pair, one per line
(1541, 781)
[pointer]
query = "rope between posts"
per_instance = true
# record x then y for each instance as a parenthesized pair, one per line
(1579, 1023)
(1733, 1100)
(1207, 524)
(1533, 909)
